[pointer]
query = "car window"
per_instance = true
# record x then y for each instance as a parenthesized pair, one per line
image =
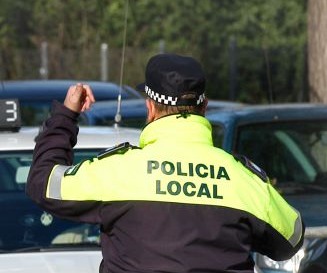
(26, 225)
(292, 153)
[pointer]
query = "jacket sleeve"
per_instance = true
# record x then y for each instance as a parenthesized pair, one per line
(283, 232)
(54, 145)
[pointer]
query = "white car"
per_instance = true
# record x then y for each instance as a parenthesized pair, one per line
(32, 240)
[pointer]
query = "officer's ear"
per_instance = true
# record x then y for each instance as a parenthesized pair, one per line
(204, 107)
(151, 110)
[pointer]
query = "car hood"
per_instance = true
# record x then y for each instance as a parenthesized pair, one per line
(51, 262)
(313, 208)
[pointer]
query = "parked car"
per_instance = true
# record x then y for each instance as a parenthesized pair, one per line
(288, 141)
(35, 96)
(133, 112)
(31, 239)
(216, 105)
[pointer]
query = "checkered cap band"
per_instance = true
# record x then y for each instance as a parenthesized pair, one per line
(167, 100)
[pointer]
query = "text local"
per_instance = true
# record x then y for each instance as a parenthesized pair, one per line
(188, 188)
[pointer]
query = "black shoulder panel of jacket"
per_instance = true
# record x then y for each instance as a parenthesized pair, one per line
(117, 149)
(252, 167)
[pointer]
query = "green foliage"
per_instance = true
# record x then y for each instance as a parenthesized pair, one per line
(270, 38)
(14, 16)
(67, 24)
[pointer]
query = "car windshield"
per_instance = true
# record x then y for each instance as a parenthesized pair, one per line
(293, 154)
(25, 226)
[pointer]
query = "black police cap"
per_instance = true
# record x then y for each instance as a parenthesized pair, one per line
(169, 77)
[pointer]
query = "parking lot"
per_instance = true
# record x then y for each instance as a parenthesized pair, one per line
(288, 141)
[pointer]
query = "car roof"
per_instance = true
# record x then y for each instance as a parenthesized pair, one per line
(40, 90)
(134, 112)
(88, 138)
(107, 109)
(136, 108)
(214, 105)
(271, 112)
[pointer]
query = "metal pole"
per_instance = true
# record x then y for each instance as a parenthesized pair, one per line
(44, 71)
(162, 46)
(104, 62)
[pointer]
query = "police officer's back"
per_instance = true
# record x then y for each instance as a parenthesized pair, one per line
(176, 203)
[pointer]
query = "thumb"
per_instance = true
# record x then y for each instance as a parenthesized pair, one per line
(78, 93)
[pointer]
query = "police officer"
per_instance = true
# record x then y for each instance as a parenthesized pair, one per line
(177, 203)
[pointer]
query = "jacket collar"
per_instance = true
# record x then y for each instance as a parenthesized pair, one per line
(176, 128)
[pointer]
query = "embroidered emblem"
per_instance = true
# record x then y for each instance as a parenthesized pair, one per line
(46, 219)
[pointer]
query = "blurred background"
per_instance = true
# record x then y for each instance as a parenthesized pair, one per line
(253, 51)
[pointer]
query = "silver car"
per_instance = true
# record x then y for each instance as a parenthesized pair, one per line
(31, 239)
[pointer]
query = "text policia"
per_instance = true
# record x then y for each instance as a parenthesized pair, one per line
(187, 188)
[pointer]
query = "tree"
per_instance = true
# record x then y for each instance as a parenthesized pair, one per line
(13, 18)
(317, 50)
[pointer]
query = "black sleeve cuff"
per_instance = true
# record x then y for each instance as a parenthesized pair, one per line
(59, 109)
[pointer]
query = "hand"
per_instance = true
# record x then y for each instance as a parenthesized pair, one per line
(79, 98)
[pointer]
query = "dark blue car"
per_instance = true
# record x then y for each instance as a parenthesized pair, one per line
(133, 112)
(35, 96)
(288, 141)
